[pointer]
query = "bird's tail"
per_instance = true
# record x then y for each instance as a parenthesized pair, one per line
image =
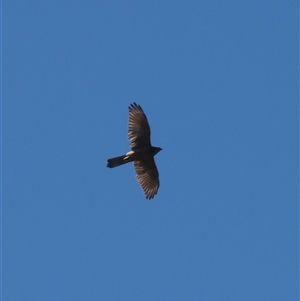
(117, 161)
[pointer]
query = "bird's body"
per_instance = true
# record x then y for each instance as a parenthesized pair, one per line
(136, 155)
(142, 152)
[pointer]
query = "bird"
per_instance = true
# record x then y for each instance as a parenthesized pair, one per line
(142, 152)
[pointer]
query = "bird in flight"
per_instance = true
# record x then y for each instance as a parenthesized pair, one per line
(142, 152)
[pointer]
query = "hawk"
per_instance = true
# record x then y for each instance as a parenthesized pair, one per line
(142, 152)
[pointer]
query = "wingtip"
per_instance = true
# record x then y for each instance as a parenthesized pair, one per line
(134, 105)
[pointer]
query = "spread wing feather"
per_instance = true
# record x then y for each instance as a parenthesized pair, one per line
(147, 175)
(138, 128)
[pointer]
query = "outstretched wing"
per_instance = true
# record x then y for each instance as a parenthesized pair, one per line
(147, 175)
(138, 127)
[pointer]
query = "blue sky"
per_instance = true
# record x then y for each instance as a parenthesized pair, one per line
(219, 83)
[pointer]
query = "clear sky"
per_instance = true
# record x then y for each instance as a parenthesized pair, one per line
(219, 83)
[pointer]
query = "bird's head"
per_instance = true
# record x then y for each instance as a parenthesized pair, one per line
(157, 150)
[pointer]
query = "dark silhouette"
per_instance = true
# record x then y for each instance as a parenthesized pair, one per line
(142, 152)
